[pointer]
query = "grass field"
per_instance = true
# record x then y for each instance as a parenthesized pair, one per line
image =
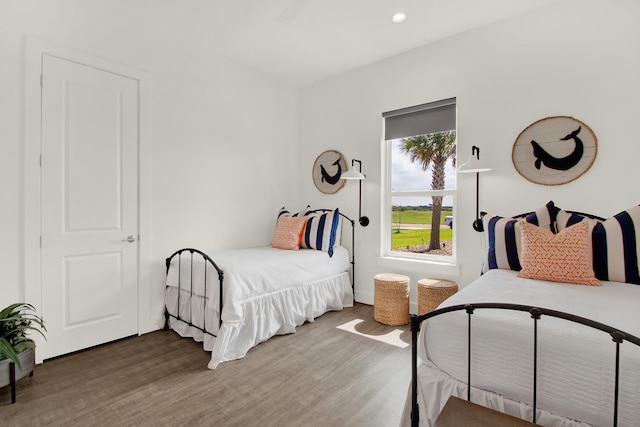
(404, 238)
(416, 216)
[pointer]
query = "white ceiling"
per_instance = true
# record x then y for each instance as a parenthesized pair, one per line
(302, 41)
(297, 41)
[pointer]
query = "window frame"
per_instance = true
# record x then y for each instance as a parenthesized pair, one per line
(387, 195)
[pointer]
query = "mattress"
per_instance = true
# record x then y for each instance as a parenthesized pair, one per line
(267, 292)
(576, 364)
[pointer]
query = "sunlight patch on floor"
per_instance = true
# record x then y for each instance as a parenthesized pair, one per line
(392, 337)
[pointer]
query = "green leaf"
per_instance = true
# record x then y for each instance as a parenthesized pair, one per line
(10, 310)
(8, 351)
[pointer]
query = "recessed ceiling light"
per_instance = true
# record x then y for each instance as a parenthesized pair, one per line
(398, 18)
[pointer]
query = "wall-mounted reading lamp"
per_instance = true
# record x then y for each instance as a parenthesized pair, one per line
(354, 174)
(473, 166)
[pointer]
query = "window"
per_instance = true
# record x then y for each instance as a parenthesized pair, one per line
(419, 195)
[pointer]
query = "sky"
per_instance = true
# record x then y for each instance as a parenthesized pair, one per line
(409, 176)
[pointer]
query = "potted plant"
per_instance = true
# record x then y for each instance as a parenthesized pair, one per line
(17, 351)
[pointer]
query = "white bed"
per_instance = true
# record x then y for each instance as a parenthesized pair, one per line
(575, 363)
(267, 292)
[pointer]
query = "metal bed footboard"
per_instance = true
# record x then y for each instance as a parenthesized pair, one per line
(617, 336)
(189, 286)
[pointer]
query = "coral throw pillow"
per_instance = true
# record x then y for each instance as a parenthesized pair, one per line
(563, 257)
(288, 232)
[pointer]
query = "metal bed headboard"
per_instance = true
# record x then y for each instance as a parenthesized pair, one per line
(353, 248)
(480, 229)
(617, 336)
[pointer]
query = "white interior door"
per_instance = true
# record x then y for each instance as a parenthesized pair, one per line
(89, 206)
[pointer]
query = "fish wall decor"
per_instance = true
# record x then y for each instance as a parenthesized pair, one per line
(554, 150)
(327, 170)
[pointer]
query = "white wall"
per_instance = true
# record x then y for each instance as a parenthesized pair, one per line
(579, 58)
(210, 118)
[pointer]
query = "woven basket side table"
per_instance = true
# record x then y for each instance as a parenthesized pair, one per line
(391, 299)
(431, 293)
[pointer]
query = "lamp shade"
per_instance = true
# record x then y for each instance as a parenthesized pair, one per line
(475, 170)
(352, 173)
(472, 166)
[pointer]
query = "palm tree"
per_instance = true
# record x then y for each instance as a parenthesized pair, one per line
(433, 149)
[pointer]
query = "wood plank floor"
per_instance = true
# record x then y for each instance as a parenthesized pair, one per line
(320, 376)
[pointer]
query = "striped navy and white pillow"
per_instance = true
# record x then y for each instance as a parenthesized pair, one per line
(322, 231)
(503, 236)
(566, 219)
(614, 244)
(284, 211)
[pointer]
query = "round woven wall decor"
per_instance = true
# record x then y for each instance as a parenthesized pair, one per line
(327, 170)
(554, 150)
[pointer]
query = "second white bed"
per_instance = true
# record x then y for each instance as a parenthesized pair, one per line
(575, 363)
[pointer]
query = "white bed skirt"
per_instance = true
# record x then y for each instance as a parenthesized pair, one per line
(276, 313)
(436, 386)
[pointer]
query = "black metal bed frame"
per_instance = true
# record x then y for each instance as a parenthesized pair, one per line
(617, 336)
(588, 215)
(191, 251)
(207, 259)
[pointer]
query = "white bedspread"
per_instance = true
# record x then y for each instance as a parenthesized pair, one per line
(575, 363)
(267, 291)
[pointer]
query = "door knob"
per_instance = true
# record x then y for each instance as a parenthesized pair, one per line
(129, 239)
